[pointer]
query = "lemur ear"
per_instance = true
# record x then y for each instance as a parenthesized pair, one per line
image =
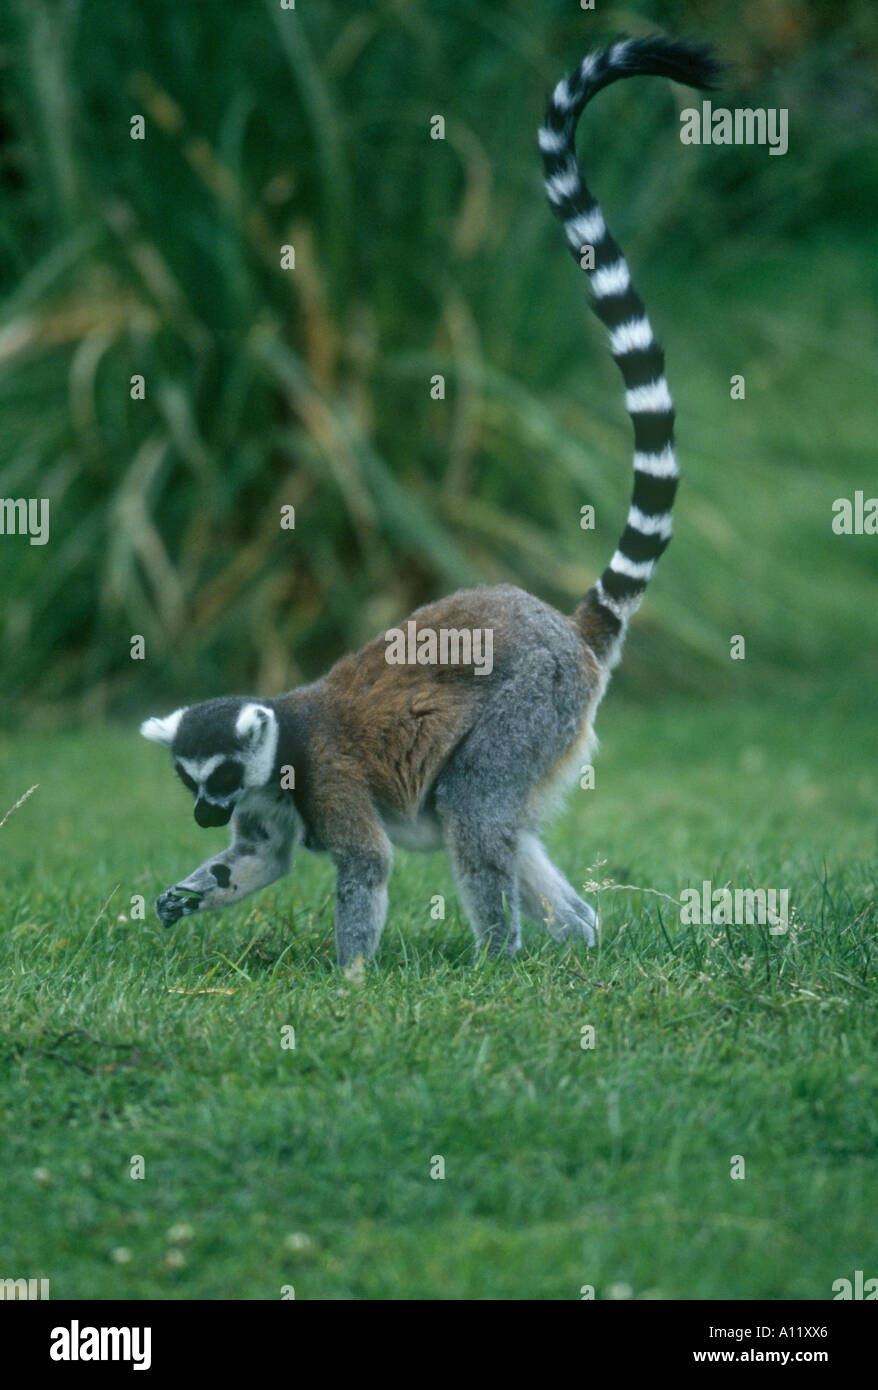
(163, 730)
(253, 723)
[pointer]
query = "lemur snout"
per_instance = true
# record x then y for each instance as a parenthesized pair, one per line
(207, 814)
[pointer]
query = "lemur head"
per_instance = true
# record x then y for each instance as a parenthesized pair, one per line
(221, 748)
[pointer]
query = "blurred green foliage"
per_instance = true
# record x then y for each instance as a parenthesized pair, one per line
(310, 387)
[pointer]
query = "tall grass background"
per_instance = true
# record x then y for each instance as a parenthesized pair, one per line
(414, 256)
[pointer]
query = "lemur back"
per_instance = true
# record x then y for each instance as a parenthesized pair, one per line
(399, 745)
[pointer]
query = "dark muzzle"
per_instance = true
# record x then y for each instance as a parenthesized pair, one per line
(208, 814)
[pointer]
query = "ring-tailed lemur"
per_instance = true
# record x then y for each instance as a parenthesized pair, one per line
(429, 754)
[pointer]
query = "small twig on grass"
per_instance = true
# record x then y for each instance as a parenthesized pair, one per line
(134, 1055)
(608, 886)
(178, 989)
(20, 802)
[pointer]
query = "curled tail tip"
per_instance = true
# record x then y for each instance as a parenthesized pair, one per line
(604, 612)
(708, 69)
(693, 65)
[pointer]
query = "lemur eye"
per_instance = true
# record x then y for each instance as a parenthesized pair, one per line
(225, 779)
(185, 778)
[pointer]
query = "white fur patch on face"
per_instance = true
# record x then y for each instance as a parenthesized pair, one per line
(199, 769)
(256, 726)
(163, 730)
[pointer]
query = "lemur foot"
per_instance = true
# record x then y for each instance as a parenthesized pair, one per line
(177, 902)
(584, 925)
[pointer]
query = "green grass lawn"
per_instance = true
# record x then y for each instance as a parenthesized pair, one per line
(563, 1167)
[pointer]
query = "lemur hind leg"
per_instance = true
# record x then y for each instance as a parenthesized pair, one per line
(481, 845)
(260, 852)
(547, 897)
(482, 795)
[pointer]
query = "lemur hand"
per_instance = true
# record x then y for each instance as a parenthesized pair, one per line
(177, 902)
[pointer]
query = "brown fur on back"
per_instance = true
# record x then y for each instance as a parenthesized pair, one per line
(387, 730)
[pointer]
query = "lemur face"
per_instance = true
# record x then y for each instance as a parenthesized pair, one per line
(221, 749)
(217, 784)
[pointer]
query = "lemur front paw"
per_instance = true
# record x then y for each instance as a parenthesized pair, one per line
(177, 902)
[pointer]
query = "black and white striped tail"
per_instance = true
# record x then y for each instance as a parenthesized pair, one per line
(641, 360)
